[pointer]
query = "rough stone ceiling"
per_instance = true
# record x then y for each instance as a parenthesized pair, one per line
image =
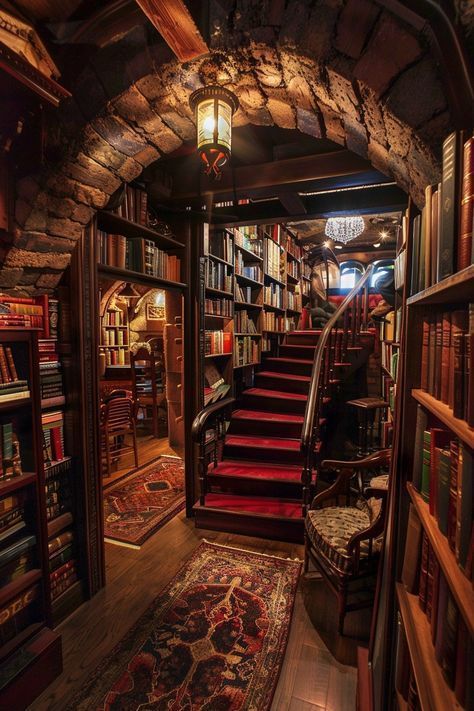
(343, 70)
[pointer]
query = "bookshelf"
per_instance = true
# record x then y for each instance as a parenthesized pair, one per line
(25, 601)
(252, 283)
(431, 518)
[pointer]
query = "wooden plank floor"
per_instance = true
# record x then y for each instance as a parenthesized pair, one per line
(311, 679)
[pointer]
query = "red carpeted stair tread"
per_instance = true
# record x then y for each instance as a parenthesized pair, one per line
(266, 442)
(255, 505)
(290, 360)
(267, 416)
(257, 470)
(284, 376)
(263, 392)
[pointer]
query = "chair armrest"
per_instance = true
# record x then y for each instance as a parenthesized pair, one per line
(340, 486)
(374, 460)
(373, 531)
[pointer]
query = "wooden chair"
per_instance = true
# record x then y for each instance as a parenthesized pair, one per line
(145, 387)
(117, 420)
(343, 541)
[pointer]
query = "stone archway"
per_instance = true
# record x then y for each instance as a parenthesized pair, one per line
(308, 66)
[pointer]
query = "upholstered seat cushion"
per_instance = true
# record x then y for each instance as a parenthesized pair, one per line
(379, 482)
(330, 529)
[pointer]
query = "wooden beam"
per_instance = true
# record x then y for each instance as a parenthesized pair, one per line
(281, 172)
(292, 203)
(175, 24)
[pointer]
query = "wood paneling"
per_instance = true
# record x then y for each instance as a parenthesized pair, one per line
(173, 21)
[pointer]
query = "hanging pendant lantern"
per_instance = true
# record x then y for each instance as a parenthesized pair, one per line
(213, 108)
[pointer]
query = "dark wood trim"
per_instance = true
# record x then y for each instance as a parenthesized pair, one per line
(175, 24)
(24, 72)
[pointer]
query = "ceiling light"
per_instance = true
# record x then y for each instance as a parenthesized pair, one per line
(213, 108)
(338, 246)
(344, 229)
(383, 234)
(327, 243)
(377, 245)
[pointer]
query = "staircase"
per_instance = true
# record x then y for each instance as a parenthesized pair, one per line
(255, 476)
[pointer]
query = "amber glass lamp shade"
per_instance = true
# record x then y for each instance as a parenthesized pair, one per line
(213, 108)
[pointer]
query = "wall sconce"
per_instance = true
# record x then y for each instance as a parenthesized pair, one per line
(213, 108)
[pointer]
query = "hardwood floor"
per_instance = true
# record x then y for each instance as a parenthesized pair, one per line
(311, 679)
(149, 448)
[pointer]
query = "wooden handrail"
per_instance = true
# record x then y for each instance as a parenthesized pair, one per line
(203, 416)
(310, 411)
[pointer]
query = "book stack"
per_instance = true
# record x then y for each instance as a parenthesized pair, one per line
(272, 322)
(273, 295)
(12, 516)
(443, 474)
(58, 488)
(21, 312)
(217, 342)
(10, 459)
(12, 387)
(18, 613)
(243, 323)
(218, 307)
(63, 578)
(134, 206)
(453, 647)
(51, 382)
(52, 423)
(218, 276)
(216, 388)
(16, 558)
(246, 351)
(443, 233)
(447, 355)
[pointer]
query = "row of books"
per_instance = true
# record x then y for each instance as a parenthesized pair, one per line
(293, 268)
(30, 312)
(63, 578)
(51, 381)
(139, 255)
(216, 342)
(134, 206)
(12, 516)
(244, 323)
(220, 245)
(218, 276)
(19, 613)
(114, 337)
(243, 294)
(273, 263)
(273, 295)
(218, 307)
(273, 232)
(443, 233)
(292, 247)
(17, 556)
(11, 386)
(443, 474)
(453, 647)
(247, 238)
(447, 360)
(58, 497)
(246, 350)
(293, 301)
(273, 322)
(114, 317)
(119, 355)
(251, 272)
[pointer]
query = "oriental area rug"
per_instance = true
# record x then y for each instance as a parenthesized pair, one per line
(213, 640)
(137, 505)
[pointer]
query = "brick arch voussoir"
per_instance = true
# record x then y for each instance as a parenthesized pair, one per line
(278, 83)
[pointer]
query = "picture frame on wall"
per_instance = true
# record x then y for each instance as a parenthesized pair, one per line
(155, 312)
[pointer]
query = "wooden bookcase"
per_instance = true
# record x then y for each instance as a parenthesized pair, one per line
(29, 649)
(427, 550)
(253, 285)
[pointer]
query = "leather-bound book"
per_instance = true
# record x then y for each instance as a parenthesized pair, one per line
(423, 586)
(435, 222)
(435, 598)
(443, 492)
(458, 375)
(469, 379)
(421, 426)
(449, 208)
(466, 507)
(464, 252)
(432, 365)
(415, 265)
(428, 236)
(425, 355)
(459, 325)
(445, 354)
(411, 560)
(430, 583)
(439, 374)
(448, 659)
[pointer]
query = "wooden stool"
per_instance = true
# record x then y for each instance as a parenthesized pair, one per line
(369, 410)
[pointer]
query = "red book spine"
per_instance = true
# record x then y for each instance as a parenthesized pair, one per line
(11, 363)
(446, 342)
(453, 494)
(458, 405)
(424, 355)
(6, 378)
(58, 453)
(469, 378)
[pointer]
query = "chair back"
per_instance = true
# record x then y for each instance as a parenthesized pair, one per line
(119, 414)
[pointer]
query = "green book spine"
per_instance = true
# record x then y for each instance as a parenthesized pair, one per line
(443, 489)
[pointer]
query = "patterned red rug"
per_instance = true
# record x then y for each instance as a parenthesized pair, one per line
(213, 640)
(136, 506)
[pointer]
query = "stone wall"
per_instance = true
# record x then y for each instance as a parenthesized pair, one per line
(348, 71)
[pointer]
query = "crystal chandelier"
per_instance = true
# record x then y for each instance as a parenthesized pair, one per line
(344, 229)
